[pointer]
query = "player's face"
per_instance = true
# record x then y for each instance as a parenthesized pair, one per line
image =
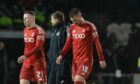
(76, 19)
(28, 20)
(54, 21)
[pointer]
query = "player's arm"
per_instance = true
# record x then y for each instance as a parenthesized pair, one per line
(66, 48)
(22, 57)
(39, 44)
(68, 44)
(98, 47)
(97, 43)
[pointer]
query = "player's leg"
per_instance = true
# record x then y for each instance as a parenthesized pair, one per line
(76, 78)
(79, 80)
(83, 71)
(40, 74)
(26, 75)
(24, 81)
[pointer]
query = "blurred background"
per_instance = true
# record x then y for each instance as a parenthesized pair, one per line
(117, 22)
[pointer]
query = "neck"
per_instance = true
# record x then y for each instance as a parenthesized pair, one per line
(81, 21)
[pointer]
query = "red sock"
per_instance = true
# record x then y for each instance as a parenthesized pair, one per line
(78, 82)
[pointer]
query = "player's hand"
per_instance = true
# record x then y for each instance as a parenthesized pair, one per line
(58, 60)
(21, 59)
(103, 64)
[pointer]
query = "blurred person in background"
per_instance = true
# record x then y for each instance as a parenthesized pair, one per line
(82, 35)
(58, 74)
(34, 64)
(3, 61)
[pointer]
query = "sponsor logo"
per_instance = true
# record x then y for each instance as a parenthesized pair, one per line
(81, 36)
(29, 39)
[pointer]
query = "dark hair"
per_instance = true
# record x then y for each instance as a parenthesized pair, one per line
(58, 15)
(74, 11)
(30, 12)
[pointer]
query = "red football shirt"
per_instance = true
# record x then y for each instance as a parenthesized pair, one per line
(81, 38)
(34, 46)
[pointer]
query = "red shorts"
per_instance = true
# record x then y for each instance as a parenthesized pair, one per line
(82, 69)
(32, 73)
